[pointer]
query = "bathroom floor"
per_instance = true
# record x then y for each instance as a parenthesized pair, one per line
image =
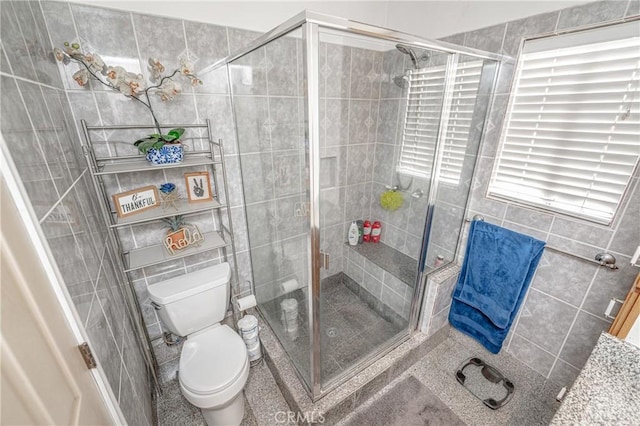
(261, 394)
(351, 328)
(533, 401)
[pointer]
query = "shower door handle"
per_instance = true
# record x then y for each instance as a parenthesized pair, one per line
(324, 260)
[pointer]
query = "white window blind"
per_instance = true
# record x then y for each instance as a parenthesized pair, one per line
(424, 105)
(572, 135)
(463, 101)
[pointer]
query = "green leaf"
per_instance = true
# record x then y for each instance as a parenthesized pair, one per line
(176, 132)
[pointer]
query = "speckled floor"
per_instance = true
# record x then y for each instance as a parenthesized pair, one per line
(533, 402)
(264, 404)
(174, 409)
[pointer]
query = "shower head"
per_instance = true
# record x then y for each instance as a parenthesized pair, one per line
(412, 55)
(401, 81)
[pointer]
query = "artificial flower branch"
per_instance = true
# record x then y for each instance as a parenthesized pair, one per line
(129, 84)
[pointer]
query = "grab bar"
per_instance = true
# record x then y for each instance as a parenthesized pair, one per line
(601, 259)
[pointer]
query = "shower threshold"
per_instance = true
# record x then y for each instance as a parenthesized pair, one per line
(351, 392)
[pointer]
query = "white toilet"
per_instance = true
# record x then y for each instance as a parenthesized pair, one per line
(214, 365)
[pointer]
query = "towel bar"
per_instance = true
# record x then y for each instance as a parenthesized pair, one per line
(601, 259)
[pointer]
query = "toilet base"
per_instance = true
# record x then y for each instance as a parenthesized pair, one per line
(229, 415)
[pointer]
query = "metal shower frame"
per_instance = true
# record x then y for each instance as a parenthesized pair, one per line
(310, 24)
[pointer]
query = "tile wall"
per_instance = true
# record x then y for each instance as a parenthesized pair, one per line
(140, 37)
(349, 99)
(269, 106)
(38, 127)
(562, 316)
(401, 229)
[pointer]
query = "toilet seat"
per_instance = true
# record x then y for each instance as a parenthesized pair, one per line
(214, 367)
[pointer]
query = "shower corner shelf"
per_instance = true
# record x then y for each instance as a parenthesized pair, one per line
(217, 237)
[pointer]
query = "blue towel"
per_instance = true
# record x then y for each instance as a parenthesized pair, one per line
(497, 270)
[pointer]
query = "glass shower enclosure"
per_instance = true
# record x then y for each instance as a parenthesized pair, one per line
(338, 122)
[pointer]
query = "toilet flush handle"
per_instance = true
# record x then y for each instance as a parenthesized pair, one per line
(155, 306)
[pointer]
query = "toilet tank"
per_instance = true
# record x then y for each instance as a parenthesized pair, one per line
(193, 301)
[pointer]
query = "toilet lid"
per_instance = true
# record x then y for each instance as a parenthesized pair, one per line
(211, 361)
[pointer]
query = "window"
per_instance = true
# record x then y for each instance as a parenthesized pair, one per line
(571, 139)
(424, 105)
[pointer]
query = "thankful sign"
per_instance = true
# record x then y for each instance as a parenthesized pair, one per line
(136, 200)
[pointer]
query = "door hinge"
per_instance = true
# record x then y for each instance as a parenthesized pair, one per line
(85, 351)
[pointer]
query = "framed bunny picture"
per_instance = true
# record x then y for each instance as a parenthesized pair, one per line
(198, 186)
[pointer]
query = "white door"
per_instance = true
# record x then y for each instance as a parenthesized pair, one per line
(44, 378)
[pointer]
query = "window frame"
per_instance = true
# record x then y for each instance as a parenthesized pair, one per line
(624, 197)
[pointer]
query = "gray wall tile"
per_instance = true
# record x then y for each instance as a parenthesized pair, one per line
(564, 277)
(582, 339)
(563, 374)
(531, 355)
(96, 30)
(334, 121)
(627, 234)
(149, 30)
(59, 21)
(14, 42)
(591, 13)
(489, 38)
(254, 128)
(528, 217)
(609, 284)
(581, 231)
(207, 44)
(34, 30)
(516, 30)
(545, 321)
(217, 109)
(335, 70)
(286, 123)
(282, 77)
(633, 9)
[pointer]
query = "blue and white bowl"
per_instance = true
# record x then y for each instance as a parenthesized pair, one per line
(168, 154)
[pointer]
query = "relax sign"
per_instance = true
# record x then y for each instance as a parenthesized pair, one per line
(136, 201)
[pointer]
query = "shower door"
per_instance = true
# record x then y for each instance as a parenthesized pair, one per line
(367, 290)
(268, 101)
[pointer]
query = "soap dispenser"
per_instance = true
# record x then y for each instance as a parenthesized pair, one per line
(353, 234)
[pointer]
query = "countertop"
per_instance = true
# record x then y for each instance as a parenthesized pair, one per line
(607, 391)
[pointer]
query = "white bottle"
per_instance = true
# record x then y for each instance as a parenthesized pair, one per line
(354, 234)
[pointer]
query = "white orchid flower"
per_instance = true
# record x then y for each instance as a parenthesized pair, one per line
(124, 88)
(95, 62)
(81, 77)
(59, 54)
(155, 69)
(169, 90)
(115, 75)
(135, 83)
(194, 80)
(186, 67)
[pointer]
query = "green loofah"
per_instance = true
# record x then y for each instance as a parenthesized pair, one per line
(391, 200)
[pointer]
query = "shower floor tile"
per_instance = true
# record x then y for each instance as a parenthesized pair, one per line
(350, 328)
